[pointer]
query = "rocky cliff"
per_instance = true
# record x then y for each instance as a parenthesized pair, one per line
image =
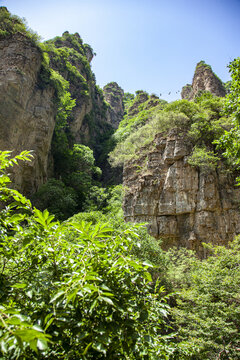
(27, 112)
(71, 58)
(37, 84)
(113, 95)
(183, 205)
(204, 80)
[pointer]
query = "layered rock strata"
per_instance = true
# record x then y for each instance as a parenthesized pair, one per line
(183, 205)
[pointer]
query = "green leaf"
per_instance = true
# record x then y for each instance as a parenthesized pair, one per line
(19, 286)
(86, 348)
(106, 299)
(57, 296)
(33, 345)
(99, 347)
(42, 344)
(148, 264)
(4, 347)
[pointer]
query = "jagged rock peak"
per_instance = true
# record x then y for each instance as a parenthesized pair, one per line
(204, 80)
(113, 95)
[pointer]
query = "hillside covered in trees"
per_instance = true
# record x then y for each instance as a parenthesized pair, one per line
(81, 276)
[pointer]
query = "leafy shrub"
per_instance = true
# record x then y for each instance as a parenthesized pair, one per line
(229, 142)
(127, 100)
(186, 107)
(161, 122)
(77, 188)
(205, 130)
(204, 159)
(59, 199)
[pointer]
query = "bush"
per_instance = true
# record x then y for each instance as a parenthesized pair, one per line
(186, 107)
(204, 159)
(59, 199)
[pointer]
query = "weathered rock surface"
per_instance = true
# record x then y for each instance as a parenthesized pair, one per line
(183, 205)
(113, 95)
(186, 91)
(141, 98)
(81, 89)
(27, 112)
(27, 104)
(204, 80)
(89, 116)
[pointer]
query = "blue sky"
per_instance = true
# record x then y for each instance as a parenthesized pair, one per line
(152, 45)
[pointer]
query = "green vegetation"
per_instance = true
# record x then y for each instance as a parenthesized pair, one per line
(229, 141)
(204, 159)
(200, 121)
(93, 286)
(77, 290)
(206, 311)
(64, 62)
(12, 24)
(203, 64)
(73, 290)
(139, 110)
(78, 188)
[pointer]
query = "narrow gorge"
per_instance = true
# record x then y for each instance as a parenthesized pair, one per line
(119, 211)
(50, 102)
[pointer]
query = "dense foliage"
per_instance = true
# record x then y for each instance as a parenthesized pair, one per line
(75, 186)
(230, 140)
(207, 310)
(72, 290)
(76, 290)
(139, 110)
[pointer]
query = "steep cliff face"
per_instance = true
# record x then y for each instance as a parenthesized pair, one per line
(204, 80)
(70, 57)
(27, 112)
(183, 205)
(37, 82)
(114, 94)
